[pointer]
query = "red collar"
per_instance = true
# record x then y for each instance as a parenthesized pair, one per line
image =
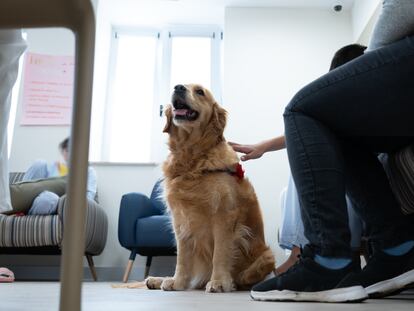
(237, 171)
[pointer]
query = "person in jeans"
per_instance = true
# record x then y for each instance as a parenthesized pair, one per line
(334, 128)
(291, 235)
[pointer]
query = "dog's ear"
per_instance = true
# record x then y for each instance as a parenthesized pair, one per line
(168, 115)
(219, 120)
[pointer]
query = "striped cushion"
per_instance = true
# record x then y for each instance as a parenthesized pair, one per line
(401, 176)
(29, 231)
(96, 225)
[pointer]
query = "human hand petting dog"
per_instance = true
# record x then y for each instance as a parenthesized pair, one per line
(250, 151)
(255, 151)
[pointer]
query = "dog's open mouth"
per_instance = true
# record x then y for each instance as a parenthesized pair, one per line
(182, 111)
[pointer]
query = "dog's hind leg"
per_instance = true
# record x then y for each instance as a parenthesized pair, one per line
(258, 270)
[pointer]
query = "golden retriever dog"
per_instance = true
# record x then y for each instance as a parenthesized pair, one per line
(215, 213)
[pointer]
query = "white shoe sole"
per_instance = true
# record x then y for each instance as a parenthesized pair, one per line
(348, 294)
(390, 286)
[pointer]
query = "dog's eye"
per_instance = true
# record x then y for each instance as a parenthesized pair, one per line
(200, 92)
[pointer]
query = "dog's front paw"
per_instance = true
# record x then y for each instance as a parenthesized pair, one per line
(220, 286)
(170, 284)
(154, 282)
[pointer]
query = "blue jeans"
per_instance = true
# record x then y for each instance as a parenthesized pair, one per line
(334, 127)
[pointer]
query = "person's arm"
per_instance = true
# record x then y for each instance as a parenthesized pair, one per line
(395, 22)
(255, 151)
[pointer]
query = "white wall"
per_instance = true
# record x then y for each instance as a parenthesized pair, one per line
(363, 11)
(365, 36)
(269, 54)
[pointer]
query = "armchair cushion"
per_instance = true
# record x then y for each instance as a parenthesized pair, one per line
(96, 225)
(145, 225)
(154, 231)
(133, 206)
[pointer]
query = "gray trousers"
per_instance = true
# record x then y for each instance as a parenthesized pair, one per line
(12, 47)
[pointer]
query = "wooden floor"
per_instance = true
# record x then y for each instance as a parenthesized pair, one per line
(44, 296)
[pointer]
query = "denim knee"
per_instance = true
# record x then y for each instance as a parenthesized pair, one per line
(295, 103)
(45, 203)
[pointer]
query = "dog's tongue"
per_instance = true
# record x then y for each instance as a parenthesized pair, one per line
(180, 112)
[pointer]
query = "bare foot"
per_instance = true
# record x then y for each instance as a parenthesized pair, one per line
(293, 258)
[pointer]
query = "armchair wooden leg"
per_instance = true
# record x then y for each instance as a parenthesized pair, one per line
(92, 267)
(129, 265)
(147, 266)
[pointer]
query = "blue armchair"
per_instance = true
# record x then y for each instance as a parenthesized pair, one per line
(145, 227)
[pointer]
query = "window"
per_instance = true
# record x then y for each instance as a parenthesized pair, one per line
(131, 99)
(191, 61)
(144, 67)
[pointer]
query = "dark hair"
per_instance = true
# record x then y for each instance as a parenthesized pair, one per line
(64, 145)
(346, 54)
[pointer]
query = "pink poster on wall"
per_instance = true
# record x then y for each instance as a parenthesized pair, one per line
(47, 89)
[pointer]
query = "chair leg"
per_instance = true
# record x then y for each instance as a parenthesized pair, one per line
(147, 266)
(92, 267)
(129, 265)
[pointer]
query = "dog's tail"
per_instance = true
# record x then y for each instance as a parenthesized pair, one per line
(258, 270)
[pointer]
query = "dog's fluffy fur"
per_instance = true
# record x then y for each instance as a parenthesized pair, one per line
(216, 216)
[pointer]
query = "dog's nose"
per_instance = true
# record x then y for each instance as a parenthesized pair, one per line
(179, 88)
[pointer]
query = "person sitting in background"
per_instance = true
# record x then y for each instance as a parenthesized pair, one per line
(46, 202)
(41, 169)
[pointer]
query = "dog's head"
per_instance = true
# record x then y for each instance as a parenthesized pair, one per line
(194, 109)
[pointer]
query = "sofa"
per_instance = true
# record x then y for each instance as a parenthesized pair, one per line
(144, 227)
(43, 234)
